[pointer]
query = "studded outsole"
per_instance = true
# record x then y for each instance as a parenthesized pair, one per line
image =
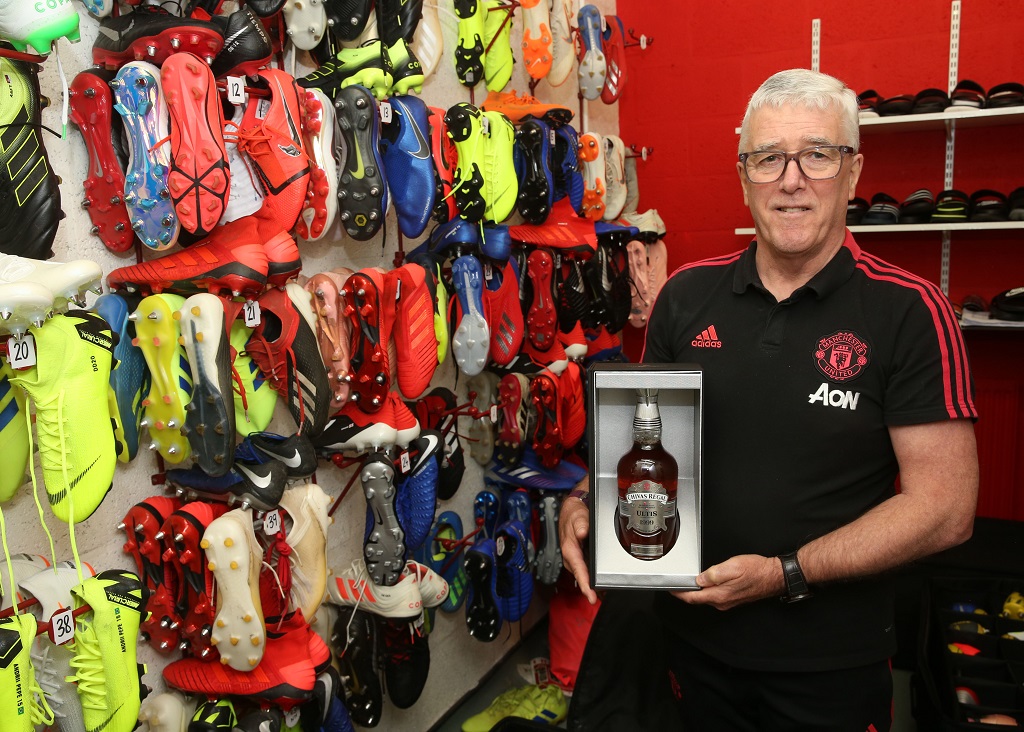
(167, 712)
(368, 360)
(481, 431)
(201, 42)
(512, 392)
(306, 22)
(235, 559)
(91, 109)
(321, 204)
(469, 54)
(210, 414)
(384, 548)
(141, 105)
(199, 179)
(483, 617)
(537, 39)
(541, 319)
(462, 122)
(547, 438)
(141, 525)
(362, 191)
(471, 342)
(169, 390)
(549, 557)
(535, 192)
(593, 67)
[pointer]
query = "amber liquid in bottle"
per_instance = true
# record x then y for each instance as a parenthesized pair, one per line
(646, 523)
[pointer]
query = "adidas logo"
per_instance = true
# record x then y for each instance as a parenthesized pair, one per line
(708, 338)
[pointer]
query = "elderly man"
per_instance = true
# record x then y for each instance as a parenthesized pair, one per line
(836, 372)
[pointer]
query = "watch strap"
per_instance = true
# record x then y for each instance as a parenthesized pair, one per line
(581, 494)
(796, 584)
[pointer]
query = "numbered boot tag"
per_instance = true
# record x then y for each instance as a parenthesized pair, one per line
(272, 522)
(236, 90)
(21, 351)
(62, 627)
(251, 313)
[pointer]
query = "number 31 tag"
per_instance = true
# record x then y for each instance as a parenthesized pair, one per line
(21, 351)
(62, 627)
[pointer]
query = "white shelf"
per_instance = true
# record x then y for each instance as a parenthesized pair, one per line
(937, 121)
(910, 228)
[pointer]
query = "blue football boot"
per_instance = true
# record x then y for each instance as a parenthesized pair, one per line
(568, 177)
(514, 584)
(128, 381)
(497, 243)
(483, 605)
(593, 66)
(471, 341)
(536, 182)
(441, 555)
(409, 166)
(140, 102)
(485, 510)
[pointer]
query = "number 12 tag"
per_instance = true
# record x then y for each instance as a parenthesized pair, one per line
(62, 627)
(236, 90)
(251, 313)
(21, 351)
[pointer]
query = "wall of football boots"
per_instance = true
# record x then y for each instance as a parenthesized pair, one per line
(236, 181)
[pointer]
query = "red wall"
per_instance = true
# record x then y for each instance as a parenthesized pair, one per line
(686, 94)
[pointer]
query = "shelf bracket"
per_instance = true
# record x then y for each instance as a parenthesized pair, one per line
(954, 71)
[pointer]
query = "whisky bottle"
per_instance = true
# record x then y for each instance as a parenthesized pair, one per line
(646, 523)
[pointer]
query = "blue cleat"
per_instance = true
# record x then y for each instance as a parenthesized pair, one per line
(129, 380)
(472, 338)
(409, 166)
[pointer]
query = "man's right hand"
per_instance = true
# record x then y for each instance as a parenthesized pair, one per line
(573, 528)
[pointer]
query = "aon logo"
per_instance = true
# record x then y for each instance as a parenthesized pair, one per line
(835, 397)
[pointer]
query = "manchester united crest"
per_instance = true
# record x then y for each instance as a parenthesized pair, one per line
(841, 356)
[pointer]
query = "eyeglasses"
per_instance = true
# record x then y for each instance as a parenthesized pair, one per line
(821, 162)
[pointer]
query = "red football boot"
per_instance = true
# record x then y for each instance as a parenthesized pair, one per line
(270, 132)
(542, 318)
(412, 331)
(333, 330)
(446, 159)
(232, 261)
(199, 179)
(283, 260)
(613, 45)
(370, 318)
(547, 438)
(503, 314)
(318, 130)
(513, 392)
(563, 230)
(572, 405)
(91, 108)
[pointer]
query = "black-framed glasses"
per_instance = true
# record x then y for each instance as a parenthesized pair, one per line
(821, 162)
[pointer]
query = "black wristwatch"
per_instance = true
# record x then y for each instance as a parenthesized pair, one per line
(796, 585)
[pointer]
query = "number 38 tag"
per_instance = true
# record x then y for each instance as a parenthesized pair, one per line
(62, 627)
(21, 351)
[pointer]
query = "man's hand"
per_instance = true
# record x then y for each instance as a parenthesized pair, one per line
(573, 528)
(736, 581)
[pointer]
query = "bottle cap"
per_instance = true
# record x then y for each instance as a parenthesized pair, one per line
(646, 416)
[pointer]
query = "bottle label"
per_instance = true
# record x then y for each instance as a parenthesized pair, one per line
(647, 507)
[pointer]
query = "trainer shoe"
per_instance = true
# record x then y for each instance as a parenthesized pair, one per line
(593, 66)
(355, 645)
(333, 330)
(235, 558)
(89, 99)
(21, 694)
(39, 28)
(484, 387)
(413, 331)
(254, 397)
(247, 46)
(613, 45)
(483, 606)
(29, 195)
(362, 191)
(543, 705)
(128, 379)
(13, 435)
(319, 129)
(407, 162)
(371, 321)
(498, 60)
(152, 34)
(563, 48)
(284, 346)
(615, 177)
(445, 160)
(66, 281)
(536, 183)
(104, 647)
(69, 386)
(469, 53)
(592, 157)
(384, 542)
(198, 180)
(501, 309)
(471, 340)
(171, 379)
(501, 708)
(141, 104)
(170, 711)
(210, 414)
(306, 506)
(520, 107)
(512, 418)
(536, 38)
(354, 588)
(501, 188)
(305, 23)
(549, 554)
(269, 134)
(367, 66)
(464, 128)
(214, 715)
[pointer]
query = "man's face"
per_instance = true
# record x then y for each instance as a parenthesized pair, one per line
(795, 217)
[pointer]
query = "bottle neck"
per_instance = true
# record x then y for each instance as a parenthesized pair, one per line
(647, 438)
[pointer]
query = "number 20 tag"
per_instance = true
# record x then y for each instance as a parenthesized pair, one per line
(62, 627)
(21, 351)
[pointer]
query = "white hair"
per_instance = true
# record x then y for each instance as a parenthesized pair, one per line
(810, 89)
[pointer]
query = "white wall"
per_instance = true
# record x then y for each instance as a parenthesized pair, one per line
(458, 661)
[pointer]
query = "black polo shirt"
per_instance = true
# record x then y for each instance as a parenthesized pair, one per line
(798, 399)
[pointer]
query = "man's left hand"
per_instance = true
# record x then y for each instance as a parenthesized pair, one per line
(738, 580)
